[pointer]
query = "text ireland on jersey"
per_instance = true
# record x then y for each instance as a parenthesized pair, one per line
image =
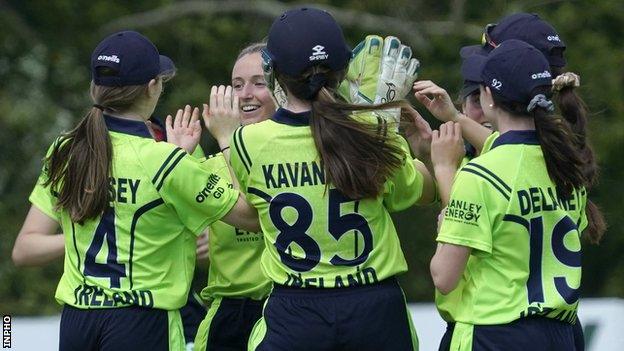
(94, 296)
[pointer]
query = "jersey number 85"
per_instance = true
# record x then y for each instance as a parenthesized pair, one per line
(338, 225)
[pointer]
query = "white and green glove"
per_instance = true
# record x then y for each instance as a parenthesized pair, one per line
(381, 70)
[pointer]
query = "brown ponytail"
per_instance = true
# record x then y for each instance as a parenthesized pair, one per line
(79, 167)
(80, 164)
(596, 225)
(575, 112)
(563, 162)
(358, 156)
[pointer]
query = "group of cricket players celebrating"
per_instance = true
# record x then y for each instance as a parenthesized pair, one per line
(318, 146)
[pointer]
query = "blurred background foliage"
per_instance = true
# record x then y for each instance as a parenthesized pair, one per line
(45, 48)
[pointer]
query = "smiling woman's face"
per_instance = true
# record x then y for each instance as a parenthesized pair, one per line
(249, 85)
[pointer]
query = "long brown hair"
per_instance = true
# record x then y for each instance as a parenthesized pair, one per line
(358, 156)
(80, 163)
(566, 162)
(574, 110)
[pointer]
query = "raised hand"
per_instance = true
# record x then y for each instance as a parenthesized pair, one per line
(222, 117)
(382, 70)
(447, 150)
(184, 130)
(436, 100)
(447, 145)
(418, 134)
(398, 71)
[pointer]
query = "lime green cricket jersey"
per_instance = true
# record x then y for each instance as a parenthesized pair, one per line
(235, 269)
(525, 240)
(447, 304)
(141, 251)
(317, 237)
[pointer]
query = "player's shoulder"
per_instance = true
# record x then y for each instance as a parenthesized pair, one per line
(151, 151)
(256, 132)
(156, 157)
(248, 140)
(487, 172)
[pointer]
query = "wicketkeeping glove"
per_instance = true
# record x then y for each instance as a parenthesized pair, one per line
(380, 71)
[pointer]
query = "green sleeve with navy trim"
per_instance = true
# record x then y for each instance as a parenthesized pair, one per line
(467, 220)
(195, 189)
(239, 159)
(42, 196)
(406, 185)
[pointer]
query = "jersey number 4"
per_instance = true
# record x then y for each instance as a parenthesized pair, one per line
(338, 225)
(111, 269)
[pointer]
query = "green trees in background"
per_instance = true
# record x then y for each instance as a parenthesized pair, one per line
(45, 48)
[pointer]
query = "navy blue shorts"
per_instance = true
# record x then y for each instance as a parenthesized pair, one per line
(113, 329)
(192, 314)
(579, 337)
(533, 333)
(445, 343)
(371, 317)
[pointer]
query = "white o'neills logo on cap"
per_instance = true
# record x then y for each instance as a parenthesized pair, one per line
(541, 75)
(553, 38)
(318, 53)
(112, 58)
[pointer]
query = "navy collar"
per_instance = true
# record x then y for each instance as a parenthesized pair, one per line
(283, 116)
(127, 126)
(526, 137)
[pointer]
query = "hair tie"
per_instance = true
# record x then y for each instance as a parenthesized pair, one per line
(99, 107)
(315, 84)
(564, 80)
(540, 100)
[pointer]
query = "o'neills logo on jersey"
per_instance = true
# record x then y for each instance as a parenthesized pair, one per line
(112, 58)
(211, 188)
(463, 211)
(318, 53)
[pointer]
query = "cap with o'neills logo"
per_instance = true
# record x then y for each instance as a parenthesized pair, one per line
(305, 37)
(528, 27)
(512, 70)
(132, 57)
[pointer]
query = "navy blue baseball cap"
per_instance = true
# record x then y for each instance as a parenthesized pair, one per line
(306, 37)
(133, 58)
(471, 76)
(512, 70)
(528, 27)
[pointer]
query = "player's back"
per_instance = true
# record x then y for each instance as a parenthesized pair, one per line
(141, 250)
(524, 234)
(315, 236)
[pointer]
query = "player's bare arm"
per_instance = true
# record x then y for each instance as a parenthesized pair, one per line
(447, 150)
(38, 242)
